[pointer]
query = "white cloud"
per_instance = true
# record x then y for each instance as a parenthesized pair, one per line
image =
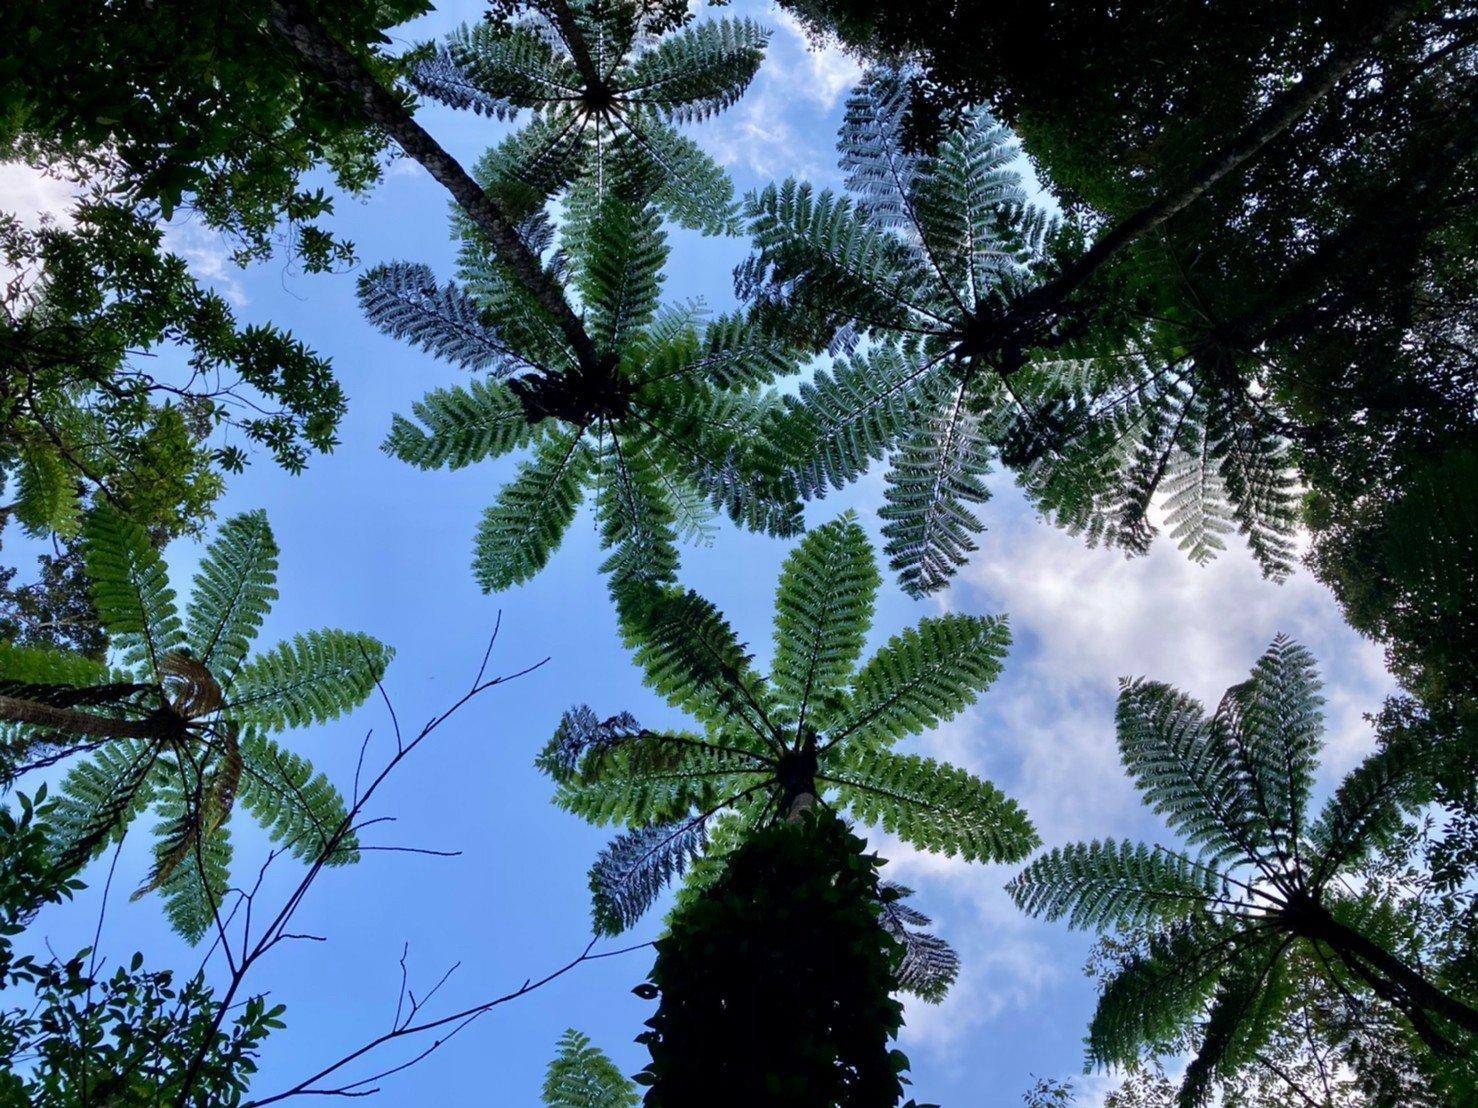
(208, 255)
(797, 85)
(32, 196)
(828, 72)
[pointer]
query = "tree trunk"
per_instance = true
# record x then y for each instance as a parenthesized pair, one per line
(348, 74)
(1417, 988)
(1313, 921)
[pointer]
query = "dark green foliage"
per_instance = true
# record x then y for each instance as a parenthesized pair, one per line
(775, 983)
(820, 728)
(581, 1076)
(84, 417)
(196, 105)
(126, 1037)
(1227, 939)
(53, 610)
(185, 727)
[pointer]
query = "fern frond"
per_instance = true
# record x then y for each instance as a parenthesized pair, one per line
(581, 1076)
(41, 665)
(823, 609)
(46, 492)
(583, 737)
(880, 172)
(930, 965)
(1257, 474)
(130, 590)
(1160, 990)
(654, 778)
(632, 871)
(1275, 730)
(691, 656)
(937, 472)
(1183, 767)
(921, 677)
(100, 797)
(1370, 806)
(311, 678)
(520, 532)
(233, 590)
(686, 183)
(933, 805)
(1102, 885)
(973, 215)
(850, 416)
(699, 71)
(619, 271)
(636, 520)
(460, 426)
(192, 863)
(513, 63)
(1244, 1013)
(403, 300)
(440, 77)
(299, 809)
(823, 264)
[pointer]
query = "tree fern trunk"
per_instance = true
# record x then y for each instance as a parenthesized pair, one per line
(1323, 927)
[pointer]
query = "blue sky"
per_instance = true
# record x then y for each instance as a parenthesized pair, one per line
(370, 544)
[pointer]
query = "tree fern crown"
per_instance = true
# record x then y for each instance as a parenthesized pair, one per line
(1218, 921)
(186, 726)
(820, 726)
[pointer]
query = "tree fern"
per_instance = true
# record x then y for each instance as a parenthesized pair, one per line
(186, 727)
(818, 729)
(603, 102)
(934, 259)
(669, 406)
(581, 1076)
(1216, 932)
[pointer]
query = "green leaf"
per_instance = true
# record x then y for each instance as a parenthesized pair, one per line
(1100, 885)
(311, 678)
(233, 590)
(581, 1076)
(461, 426)
(300, 809)
(46, 497)
(921, 677)
(130, 590)
(523, 528)
(933, 805)
(700, 70)
(100, 797)
(823, 609)
(691, 656)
